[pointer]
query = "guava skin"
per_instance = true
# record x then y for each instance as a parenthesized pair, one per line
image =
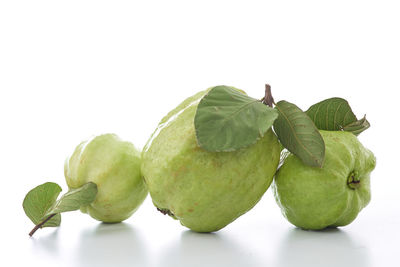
(114, 165)
(316, 198)
(204, 190)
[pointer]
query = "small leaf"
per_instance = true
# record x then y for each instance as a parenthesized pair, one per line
(357, 127)
(39, 200)
(75, 198)
(335, 114)
(227, 120)
(298, 134)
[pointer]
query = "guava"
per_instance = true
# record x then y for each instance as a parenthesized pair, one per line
(204, 190)
(114, 165)
(332, 196)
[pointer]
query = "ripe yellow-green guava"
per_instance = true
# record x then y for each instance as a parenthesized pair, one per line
(114, 165)
(204, 190)
(331, 196)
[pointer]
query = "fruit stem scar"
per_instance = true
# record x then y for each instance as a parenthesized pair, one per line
(353, 180)
(166, 212)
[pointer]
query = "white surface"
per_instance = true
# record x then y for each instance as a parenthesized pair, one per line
(70, 69)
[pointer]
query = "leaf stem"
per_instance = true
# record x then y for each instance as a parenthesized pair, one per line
(268, 99)
(41, 224)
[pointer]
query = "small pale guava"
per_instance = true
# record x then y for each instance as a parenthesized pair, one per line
(204, 190)
(331, 196)
(114, 165)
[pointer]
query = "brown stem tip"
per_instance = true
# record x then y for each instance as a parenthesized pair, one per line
(41, 224)
(268, 99)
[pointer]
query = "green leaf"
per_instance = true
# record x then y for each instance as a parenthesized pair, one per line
(335, 114)
(298, 134)
(75, 198)
(39, 200)
(227, 119)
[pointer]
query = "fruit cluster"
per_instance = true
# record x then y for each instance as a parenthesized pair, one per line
(212, 158)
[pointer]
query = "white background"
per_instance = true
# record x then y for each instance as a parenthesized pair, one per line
(71, 69)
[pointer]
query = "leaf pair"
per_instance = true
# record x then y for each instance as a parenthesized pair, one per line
(43, 208)
(333, 114)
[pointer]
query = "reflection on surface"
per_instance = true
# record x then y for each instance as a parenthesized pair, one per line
(196, 249)
(46, 243)
(111, 245)
(326, 248)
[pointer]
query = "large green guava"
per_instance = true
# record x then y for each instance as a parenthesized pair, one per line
(331, 196)
(114, 165)
(204, 190)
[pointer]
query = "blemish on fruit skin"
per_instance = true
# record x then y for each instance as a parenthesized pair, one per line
(196, 203)
(190, 210)
(216, 164)
(178, 172)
